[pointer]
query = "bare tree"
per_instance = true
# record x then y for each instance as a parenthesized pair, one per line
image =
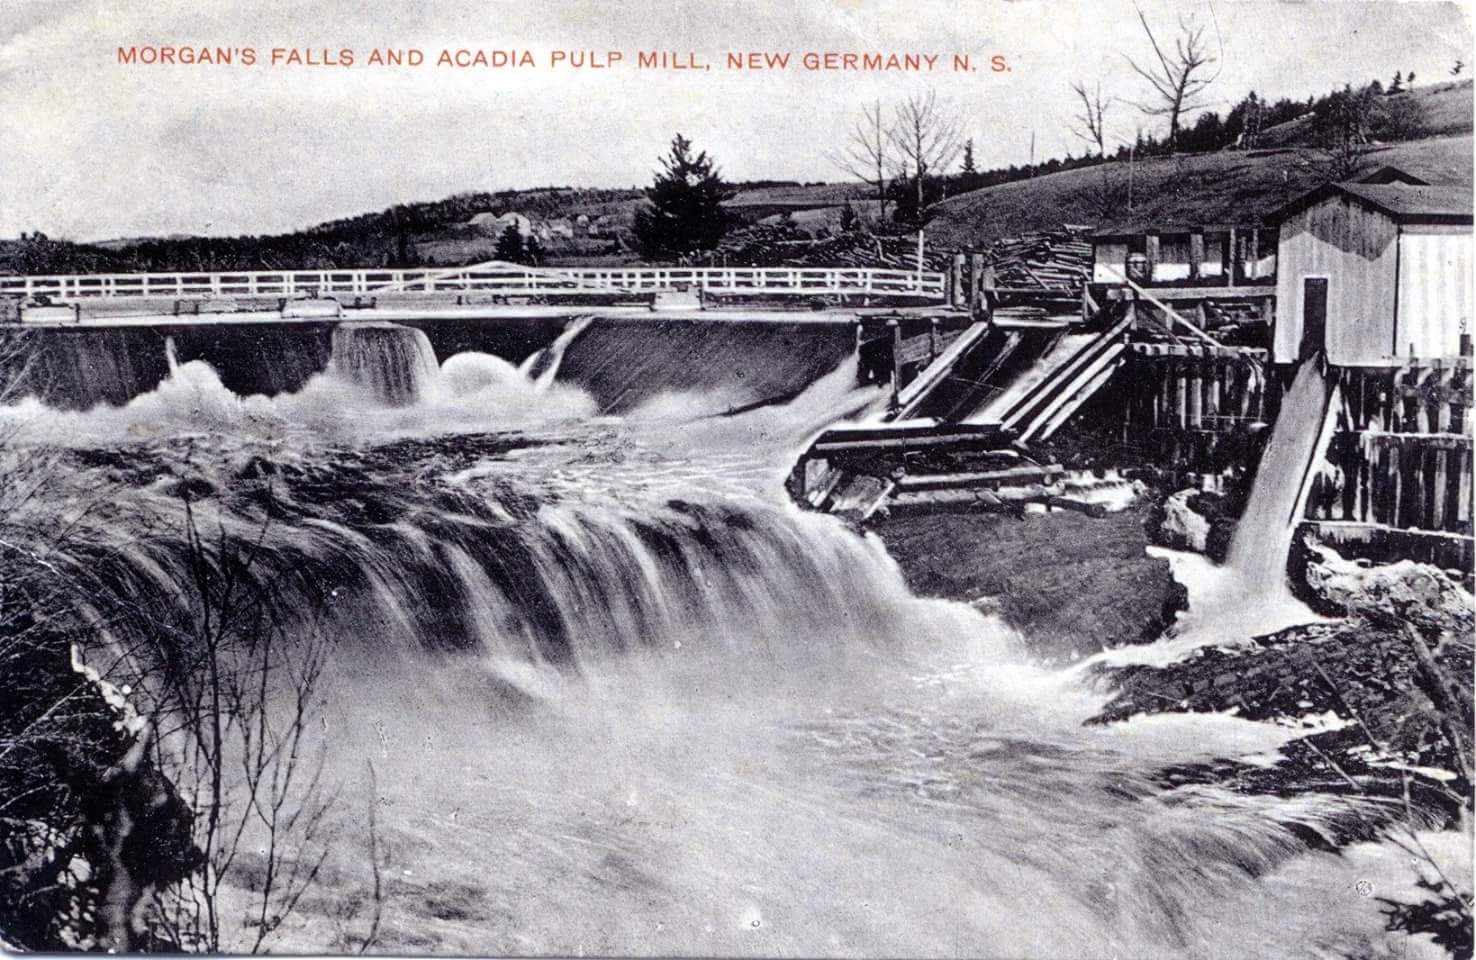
(927, 135)
(1176, 75)
(867, 154)
(1091, 123)
(233, 696)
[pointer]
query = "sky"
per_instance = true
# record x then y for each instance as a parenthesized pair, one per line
(91, 148)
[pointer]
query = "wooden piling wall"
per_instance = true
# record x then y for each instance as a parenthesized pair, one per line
(1401, 455)
(1198, 409)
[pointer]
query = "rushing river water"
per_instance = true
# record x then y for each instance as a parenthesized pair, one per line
(621, 697)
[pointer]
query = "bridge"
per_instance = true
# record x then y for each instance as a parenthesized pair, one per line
(496, 279)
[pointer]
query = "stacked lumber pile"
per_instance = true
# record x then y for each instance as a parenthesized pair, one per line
(781, 245)
(1058, 261)
(1045, 261)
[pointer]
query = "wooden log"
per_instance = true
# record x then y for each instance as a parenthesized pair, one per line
(1094, 510)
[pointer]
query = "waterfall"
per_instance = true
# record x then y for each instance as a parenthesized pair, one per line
(566, 584)
(395, 363)
(1262, 540)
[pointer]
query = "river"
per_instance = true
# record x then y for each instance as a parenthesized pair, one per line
(620, 696)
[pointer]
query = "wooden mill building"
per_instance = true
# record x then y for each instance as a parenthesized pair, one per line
(1375, 276)
(1375, 273)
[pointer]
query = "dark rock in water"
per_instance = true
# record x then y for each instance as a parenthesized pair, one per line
(1072, 585)
(1197, 521)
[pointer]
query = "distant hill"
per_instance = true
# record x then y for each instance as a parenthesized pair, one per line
(1228, 187)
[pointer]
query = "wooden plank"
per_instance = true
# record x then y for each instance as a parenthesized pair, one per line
(1458, 489)
(1438, 487)
(916, 483)
(915, 350)
(1438, 441)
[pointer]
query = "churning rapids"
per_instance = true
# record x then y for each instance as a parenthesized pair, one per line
(622, 697)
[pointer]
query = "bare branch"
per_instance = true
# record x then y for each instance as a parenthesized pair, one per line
(1091, 123)
(867, 154)
(1176, 78)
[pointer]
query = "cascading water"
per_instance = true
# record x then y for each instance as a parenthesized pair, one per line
(621, 698)
(1263, 537)
(396, 364)
(543, 367)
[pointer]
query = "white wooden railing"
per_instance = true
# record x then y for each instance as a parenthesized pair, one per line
(493, 278)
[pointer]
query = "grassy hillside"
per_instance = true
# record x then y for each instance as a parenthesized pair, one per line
(1216, 188)
(1445, 109)
(1228, 186)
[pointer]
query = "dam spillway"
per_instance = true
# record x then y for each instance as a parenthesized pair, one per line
(621, 357)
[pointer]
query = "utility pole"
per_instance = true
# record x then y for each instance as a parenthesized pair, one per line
(1131, 147)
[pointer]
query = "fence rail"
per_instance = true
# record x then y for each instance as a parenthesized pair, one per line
(497, 279)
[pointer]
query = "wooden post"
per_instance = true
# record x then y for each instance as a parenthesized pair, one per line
(1193, 395)
(896, 329)
(1214, 388)
(1228, 258)
(1196, 254)
(1438, 489)
(1150, 255)
(976, 269)
(1181, 395)
(958, 295)
(932, 339)
(1458, 475)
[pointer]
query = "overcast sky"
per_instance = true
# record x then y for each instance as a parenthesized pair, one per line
(91, 149)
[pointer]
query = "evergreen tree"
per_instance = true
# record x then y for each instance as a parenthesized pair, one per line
(510, 245)
(684, 212)
(848, 222)
(968, 157)
(1398, 83)
(533, 250)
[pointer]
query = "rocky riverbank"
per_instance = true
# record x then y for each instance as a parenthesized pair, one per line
(1386, 685)
(1071, 584)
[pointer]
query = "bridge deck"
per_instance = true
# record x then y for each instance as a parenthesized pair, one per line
(497, 278)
